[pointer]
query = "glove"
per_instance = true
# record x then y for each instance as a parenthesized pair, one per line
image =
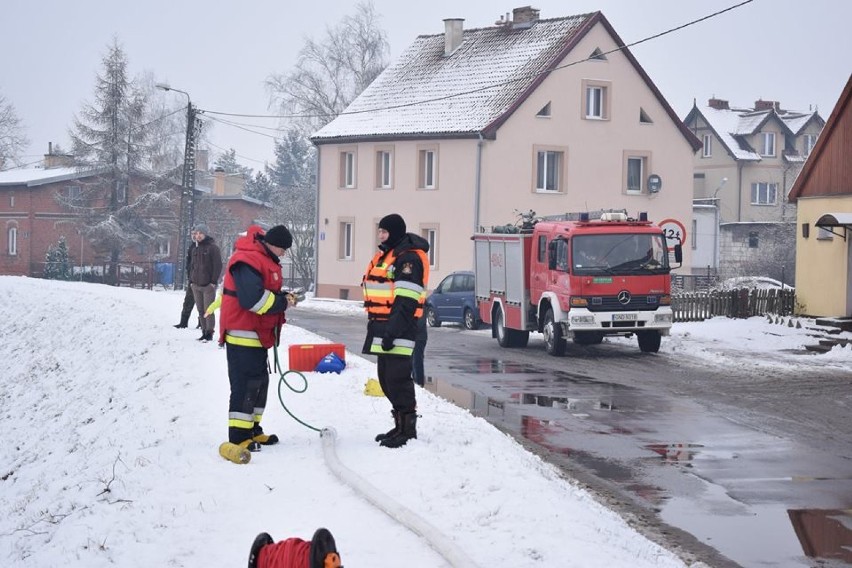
(387, 343)
(292, 299)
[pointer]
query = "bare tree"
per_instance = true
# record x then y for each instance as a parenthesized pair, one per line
(12, 139)
(331, 72)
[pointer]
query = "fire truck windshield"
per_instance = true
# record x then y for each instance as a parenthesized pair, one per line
(622, 253)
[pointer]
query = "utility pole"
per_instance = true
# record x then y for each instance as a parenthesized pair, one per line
(187, 196)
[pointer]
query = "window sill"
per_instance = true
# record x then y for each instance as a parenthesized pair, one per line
(549, 191)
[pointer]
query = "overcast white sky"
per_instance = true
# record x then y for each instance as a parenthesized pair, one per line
(221, 52)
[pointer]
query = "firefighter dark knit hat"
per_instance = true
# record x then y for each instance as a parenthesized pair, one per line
(395, 226)
(279, 236)
(201, 228)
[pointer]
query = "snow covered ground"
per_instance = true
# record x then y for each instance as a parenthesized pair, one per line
(111, 420)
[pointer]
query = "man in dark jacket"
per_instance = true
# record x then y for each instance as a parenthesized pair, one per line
(188, 297)
(205, 265)
(253, 307)
(394, 293)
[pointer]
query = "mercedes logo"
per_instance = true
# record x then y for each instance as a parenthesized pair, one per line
(623, 297)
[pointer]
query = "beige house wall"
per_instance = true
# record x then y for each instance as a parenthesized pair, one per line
(594, 172)
(447, 209)
(823, 265)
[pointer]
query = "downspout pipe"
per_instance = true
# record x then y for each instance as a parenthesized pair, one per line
(478, 183)
(317, 226)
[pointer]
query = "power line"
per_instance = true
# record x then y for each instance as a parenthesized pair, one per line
(487, 87)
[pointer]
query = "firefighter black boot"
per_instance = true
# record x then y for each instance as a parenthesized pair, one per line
(408, 430)
(393, 430)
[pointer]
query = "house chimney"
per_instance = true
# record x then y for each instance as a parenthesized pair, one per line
(453, 32)
(760, 104)
(201, 160)
(524, 17)
(219, 181)
(52, 160)
(718, 104)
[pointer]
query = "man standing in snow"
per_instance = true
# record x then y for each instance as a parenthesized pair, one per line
(394, 292)
(189, 297)
(252, 314)
(205, 268)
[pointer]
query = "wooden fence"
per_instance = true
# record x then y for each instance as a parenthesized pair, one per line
(744, 303)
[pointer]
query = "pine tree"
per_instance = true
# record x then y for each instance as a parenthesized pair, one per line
(229, 164)
(110, 140)
(260, 187)
(57, 264)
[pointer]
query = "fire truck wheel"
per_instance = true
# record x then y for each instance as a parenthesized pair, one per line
(554, 341)
(432, 317)
(649, 341)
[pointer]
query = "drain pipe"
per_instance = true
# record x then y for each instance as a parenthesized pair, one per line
(477, 188)
(416, 524)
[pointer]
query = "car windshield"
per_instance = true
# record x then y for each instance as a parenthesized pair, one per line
(623, 253)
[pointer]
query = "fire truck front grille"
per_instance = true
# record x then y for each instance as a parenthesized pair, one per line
(611, 304)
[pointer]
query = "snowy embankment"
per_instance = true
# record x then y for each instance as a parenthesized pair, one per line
(111, 422)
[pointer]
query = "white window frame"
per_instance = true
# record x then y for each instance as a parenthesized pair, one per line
(810, 142)
(595, 102)
(121, 191)
(347, 169)
(431, 236)
(549, 164)
(707, 142)
(643, 166)
(164, 247)
(768, 144)
(75, 193)
(428, 169)
(347, 228)
(761, 191)
(384, 169)
(12, 234)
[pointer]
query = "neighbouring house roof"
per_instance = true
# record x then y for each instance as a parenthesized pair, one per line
(732, 126)
(473, 90)
(838, 123)
(32, 177)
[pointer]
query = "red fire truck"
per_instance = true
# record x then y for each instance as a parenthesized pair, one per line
(580, 279)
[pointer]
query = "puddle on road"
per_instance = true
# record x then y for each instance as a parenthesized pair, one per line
(776, 536)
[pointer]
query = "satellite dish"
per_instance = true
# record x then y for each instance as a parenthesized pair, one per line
(655, 183)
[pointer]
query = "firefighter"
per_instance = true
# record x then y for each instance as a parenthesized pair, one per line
(394, 291)
(252, 314)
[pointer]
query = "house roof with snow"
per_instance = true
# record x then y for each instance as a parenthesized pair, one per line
(473, 89)
(733, 125)
(32, 177)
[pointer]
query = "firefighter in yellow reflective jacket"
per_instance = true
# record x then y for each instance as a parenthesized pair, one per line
(394, 291)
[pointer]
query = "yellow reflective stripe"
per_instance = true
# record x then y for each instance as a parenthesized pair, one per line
(402, 292)
(400, 347)
(409, 285)
(265, 302)
(240, 420)
(243, 338)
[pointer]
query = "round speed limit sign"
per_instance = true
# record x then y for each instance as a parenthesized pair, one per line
(675, 232)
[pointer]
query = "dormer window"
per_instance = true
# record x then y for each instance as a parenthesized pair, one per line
(810, 142)
(768, 146)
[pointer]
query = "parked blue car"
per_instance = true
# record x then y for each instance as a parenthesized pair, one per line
(453, 301)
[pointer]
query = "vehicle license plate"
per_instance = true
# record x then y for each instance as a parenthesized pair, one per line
(624, 317)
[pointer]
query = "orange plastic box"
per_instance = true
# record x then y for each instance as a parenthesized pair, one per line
(304, 357)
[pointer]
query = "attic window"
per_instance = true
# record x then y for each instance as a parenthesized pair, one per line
(643, 117)
(597, 55)
(545, 110)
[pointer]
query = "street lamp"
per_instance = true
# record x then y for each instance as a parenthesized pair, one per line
(187, 201)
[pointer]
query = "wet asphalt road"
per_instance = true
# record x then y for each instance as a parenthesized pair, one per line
(730, 467)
